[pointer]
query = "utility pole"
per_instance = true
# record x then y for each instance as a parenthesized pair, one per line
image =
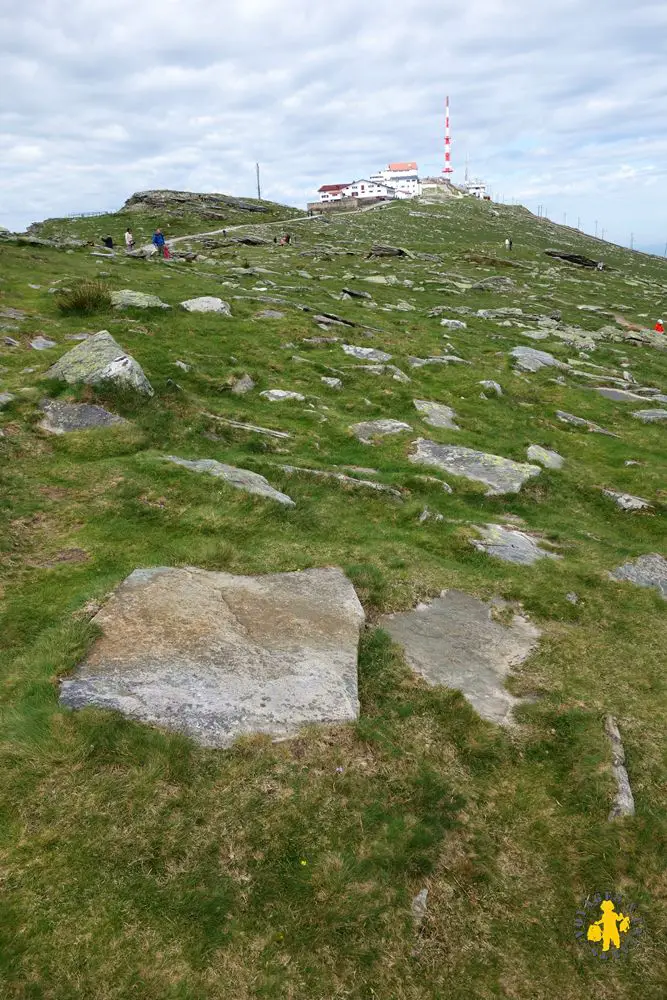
(632, 241)
(259, 190)
(596, 229)
(603, 232)
(564, 218)
(665, 249)
(579, 222)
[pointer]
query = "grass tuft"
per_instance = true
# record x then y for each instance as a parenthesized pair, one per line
(89, 296)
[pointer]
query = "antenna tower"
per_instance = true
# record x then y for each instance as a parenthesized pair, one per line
(448, 169)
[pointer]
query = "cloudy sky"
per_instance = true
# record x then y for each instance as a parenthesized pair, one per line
(558, 103)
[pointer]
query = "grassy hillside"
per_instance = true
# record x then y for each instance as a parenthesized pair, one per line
(176, 216)
(136, 864)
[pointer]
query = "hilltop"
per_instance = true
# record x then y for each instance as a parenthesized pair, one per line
(442, 416)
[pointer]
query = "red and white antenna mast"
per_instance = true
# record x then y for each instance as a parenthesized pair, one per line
(448, 168)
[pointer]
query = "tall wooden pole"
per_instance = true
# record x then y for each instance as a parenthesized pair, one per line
(259, 190)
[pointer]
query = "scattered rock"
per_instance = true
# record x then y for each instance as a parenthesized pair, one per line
(42, 344)
(354, 294)
(428, 515)
(269, 432)
(5, 399)
(366, 353)
(99, 359)
(207, 304)
(217, 656)
(444, 359)
(61, 418)
(501, 475)
(454, 641)
(348, 480)
(446, 488)
(509, 545)
(240, 479)
(437, 414)
(182, 365)
(645, 571)
(454, 324)
(271, 314)
(624, 803)
(549, 459)
(528, 359)
(368, 429)
(333, 383)
(279, 395)
(492, 386)
(419, 908)
(496, 283)
(8, 312)
(569, 418)
(619, 395)
(10, 342)
(242, 385)
(572, 598)
(628, 502)
(650, 416)
(126, 299)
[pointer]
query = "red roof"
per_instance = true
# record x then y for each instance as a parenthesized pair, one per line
(332, 187)
(403, 166)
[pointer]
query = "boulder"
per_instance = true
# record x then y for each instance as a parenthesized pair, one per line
(100, 359)
(528, 359)
(218, 656)
(454, 641)
(126, 298)
(501, 475)
(366, 353)
(492, 386)
(279, 395)
(368, 429)
(509, 545)
(5, 399)
(645, 571)
(437, 414)
(240, 479)
(332, 383)
(61, 418)
(549, 459)
(453, 324)
(207, 304)
(242, 385)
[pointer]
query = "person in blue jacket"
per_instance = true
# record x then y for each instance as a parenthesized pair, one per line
(158, 241)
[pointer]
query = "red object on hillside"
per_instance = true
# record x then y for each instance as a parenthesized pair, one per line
(403, 167)
(331, 188)
(659, 328)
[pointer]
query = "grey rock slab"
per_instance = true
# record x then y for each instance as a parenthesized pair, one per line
(240, 479)
(509, 545)
(217, 656)
(253, 428)
(341, 478)
(624, 803)
(544, 456)
(10, 342)
(62, 418)
(437, 414)
(242, 385)
(8, 312)
(6, 398)
(454, 641)
(528, 359)
(42, 344)
(650, 416)
(270, 314)
(332, 383)
(645, 571)
(626, 501)
(453, 324)
(368, 429)
(492, 386)
(280, 395)
(501, 475)
(444, 359)
(207, 304)
(619, 395)
(570, 418)
(183, 366)
(99, 359)
(366, 353)
(126, 298)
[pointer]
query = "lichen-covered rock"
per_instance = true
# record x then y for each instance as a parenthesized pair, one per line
(645, 571)
(366, 353)
(368, 429)
(650, 416)
(240, 479)
(207, 304)
(62, 418)
(280, 395)
(100, 359)
(528, 359)
(549, 459)
(501, 475)
(509, 545)
(437, 414)
(126, 298)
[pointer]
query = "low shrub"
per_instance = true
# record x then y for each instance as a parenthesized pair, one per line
(86, 297)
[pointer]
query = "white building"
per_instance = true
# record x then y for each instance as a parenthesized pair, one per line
(369, 188)
(475, 188)
(331, 192)
(401, 176)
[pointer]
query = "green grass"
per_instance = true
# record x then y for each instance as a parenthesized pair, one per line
(136, 864)
(86, 297)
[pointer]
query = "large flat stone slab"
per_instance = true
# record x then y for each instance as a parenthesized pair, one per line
(126, 298)
(240, 479)
(529, 359)
(592, 428)
(217, 656)
(650, 416)
(645, 571)
(549, 459)
(366, 353)
(437, 414)
(454, 641)
(509, 545)
(62, 418)
(619, 395)
(100, 359)
(368, 429)
(501, 475)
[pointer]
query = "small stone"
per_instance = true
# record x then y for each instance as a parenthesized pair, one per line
(427, 515)
(650, 416)
(549, 459)
(491, 386)
(5, 399)
(42, 344)
(271, 314)
(126, 298)
(240, 479)
(207, 304)
(454, 324)
(444, 359)
(279, 395)
(645, 571)
(242, 385)
(624, 803)
(419, 907)
(509, 545)
(572, 598)
(333, 383)
(627, 502)
(366, 353)
(368, 429)
(10, 342)
(63, 418)
(182, 365)
(501, 475)
(446, 488)
(437, 414)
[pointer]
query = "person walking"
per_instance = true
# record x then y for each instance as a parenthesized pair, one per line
(108, 242)
(159, 241)
(659, 327)
(508, 244)
(129, 240)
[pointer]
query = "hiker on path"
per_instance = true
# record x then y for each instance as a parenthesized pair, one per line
(159, 241)
(508, 244)
(129, 240)
(659, 328)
